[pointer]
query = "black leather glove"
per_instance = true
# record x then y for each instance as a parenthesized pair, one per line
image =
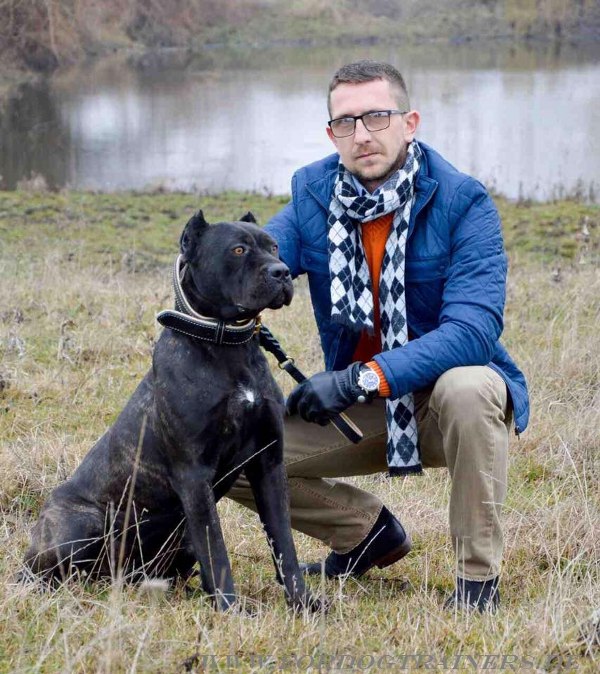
(325, 394)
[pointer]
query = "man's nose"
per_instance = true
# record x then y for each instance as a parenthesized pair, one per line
(361, 133)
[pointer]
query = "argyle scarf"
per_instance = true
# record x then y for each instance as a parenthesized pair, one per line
(351, 289)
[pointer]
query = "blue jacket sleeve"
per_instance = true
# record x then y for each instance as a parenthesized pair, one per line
(283, 227)
(471, 314)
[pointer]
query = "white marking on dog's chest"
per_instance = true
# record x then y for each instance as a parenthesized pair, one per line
(247, 396)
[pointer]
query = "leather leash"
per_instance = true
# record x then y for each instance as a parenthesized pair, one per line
(269, 343)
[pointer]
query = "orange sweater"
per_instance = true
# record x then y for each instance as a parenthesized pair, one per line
(374, 236)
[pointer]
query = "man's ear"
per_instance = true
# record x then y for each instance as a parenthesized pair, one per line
(248, 218)
(191, 234)
(332, 138)
(411, 124)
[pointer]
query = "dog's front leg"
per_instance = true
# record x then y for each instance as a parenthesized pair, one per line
(266, 475)
(194, 487)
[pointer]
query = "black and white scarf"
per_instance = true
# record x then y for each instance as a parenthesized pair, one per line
(351, 289)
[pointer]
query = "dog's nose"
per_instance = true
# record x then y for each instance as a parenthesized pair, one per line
(278, 271)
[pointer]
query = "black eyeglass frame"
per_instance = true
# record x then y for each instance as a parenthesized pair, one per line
(361, 117)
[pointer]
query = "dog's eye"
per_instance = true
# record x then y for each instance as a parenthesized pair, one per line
(274, 248)
(239, 250)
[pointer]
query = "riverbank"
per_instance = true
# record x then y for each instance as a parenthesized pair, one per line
(42, 36)
(83, 276)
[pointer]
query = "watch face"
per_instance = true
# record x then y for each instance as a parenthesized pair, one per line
(369, 380)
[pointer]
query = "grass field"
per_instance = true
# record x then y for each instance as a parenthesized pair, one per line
(83, 276)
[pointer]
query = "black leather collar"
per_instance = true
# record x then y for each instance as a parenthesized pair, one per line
(186, 320)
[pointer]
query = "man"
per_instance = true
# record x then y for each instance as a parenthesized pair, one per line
(407, 271)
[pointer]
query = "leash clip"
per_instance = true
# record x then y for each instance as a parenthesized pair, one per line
(258, 324)
(283, 365)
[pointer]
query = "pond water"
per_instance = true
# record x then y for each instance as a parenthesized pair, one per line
(524, 120)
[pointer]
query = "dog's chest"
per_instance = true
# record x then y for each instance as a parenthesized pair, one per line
(246, 396)
(244, 402)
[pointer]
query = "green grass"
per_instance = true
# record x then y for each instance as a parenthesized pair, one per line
(108, 227)
(83, 276)
(553, 232)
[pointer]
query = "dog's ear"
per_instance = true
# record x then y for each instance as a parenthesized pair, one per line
(248, 218)
(192, 232)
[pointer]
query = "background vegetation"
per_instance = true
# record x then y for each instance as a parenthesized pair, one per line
(83, 276)
(43, 34)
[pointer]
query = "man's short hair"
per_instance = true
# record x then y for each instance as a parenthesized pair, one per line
(367, 71)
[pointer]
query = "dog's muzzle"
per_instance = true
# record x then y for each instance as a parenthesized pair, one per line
(278, 280)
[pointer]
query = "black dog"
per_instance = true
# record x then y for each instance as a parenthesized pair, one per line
(144, 498)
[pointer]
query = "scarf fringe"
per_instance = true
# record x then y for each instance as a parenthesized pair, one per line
(397, 471)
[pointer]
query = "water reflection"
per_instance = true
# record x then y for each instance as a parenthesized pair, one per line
(522, 120)
(32, 137)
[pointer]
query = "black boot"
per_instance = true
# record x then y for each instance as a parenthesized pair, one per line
(386, 543)
(482, 595)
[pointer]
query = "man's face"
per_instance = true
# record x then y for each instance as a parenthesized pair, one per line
(372, 156)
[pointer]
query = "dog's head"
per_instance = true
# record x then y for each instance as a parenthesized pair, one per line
(234, 268)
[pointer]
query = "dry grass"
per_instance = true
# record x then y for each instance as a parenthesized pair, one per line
(76, 333)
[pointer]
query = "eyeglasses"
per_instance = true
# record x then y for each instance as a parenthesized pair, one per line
(377, 120)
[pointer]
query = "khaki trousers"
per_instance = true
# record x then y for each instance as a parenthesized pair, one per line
(463, 423)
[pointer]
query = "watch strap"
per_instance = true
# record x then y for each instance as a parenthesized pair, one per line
(384, 388)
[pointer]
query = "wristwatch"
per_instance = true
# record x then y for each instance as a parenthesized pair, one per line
(369, 382)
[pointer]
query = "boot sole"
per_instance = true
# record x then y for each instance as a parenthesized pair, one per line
(395, 555)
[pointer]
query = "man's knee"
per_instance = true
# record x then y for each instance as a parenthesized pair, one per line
(468, 392)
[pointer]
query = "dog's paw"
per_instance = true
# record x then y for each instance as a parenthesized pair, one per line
(309, 602)
(25, 577)
(224, 602)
